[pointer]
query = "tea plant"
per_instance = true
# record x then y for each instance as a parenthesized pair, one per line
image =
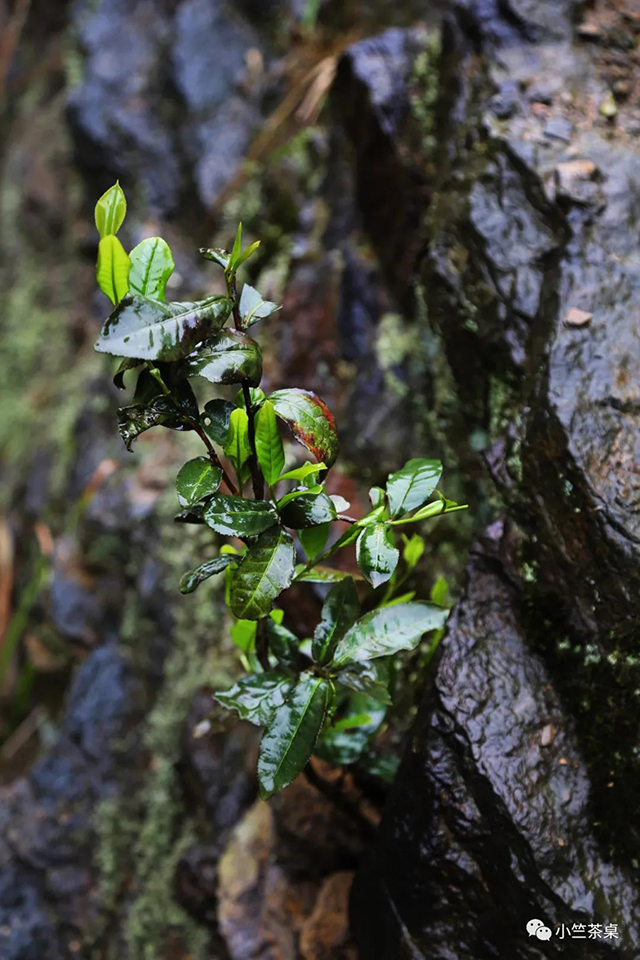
(327, 693)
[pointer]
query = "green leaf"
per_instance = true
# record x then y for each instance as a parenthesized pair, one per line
(413, 550)
(388, 630)
(238, 447)
(301, 473)
(127, 364)
(376, 553)
(217, 255)
(237, 517)
(283, 644)
(371, 678)
(339, 612)
(340, 503)
(228, 357)
(310, 420)
(151, 266)
(153, 330)
(197, 479)
(290, 737)
(321, 574)
(307, 510)
(209, 568)
(411, 486)
(440, 592)
(375, 516)
(347, 739)
(376, 496)
(216, 420)
(249, 252)
(162, 411)
(256, 398)
(257, 697)
(110, 210)
(299, 492)
(243, 634)
(236, 249)
(269, 443)
(265, 571)
(253, 307)
(112, 271)
(314, 539)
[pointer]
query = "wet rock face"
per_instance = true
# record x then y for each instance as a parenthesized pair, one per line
(491, 822)
(514, 797)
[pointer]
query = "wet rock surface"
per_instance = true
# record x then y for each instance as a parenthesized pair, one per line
(514, 799)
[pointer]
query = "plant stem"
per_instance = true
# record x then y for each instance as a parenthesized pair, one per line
(257, 481)
(213, 456)
(262, 646)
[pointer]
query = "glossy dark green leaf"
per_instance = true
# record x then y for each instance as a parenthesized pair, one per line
(153, 330)
(347, 739)
(308, 510)
(209, 568)
(228, 357)
(257, 697)
(265, 571)
(194, 514)
(411, 486)
(216, 254)
(283, 644)
(339, 612)
(298, 492)
(314, 539)
(388, 630)
(160, 411)
(197, 479)
(238, 447)
(127, 364)
(269, 443)
(290, 736)
(151, 266)
(110, 210)
(112, 271)
(253, 307)
(237, 517)
(376, 553)
(371, 678)
(216, 418)
(310, 420)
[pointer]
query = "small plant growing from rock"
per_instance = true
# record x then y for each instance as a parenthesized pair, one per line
(327, 693)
